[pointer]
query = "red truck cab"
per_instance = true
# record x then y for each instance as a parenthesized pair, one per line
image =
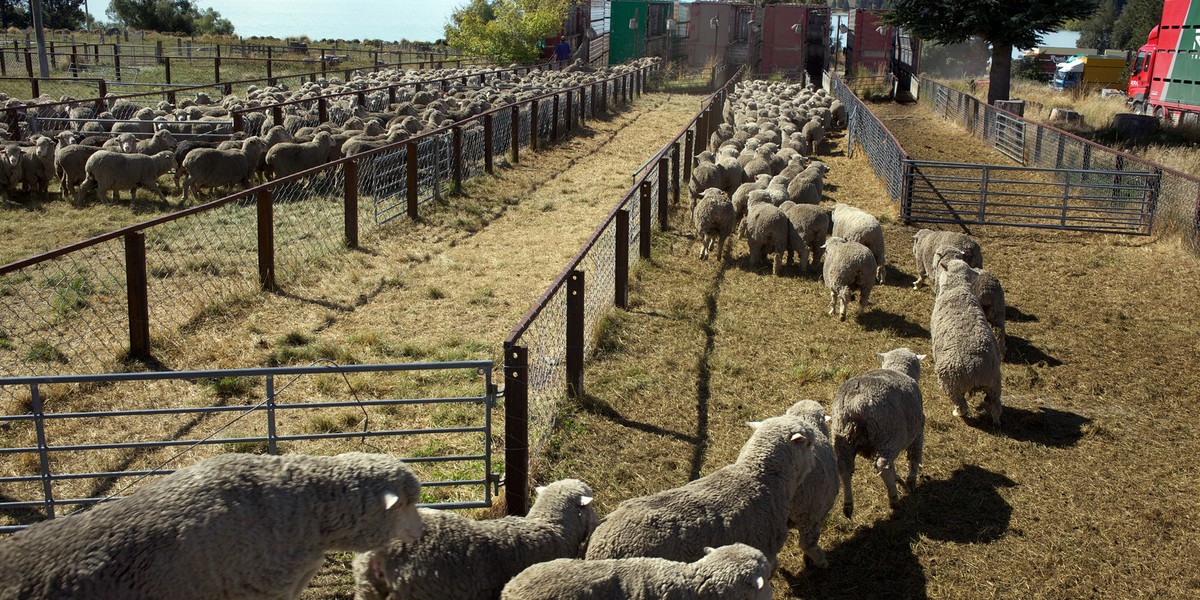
(1165, 79)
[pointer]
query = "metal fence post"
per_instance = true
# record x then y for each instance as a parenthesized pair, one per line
(664, 177)
(516, 429)
(456, 158)
(533, 125)
(575, 327)
(906, 195)
(554, 122)
(570, 114)
(322, 109)
(266, 240)
(675, 159)
(621, 260)
(515, 142)
(39, 422)
(136, 295)
(689, 152)
(414, 177)
(488, 140)
(272, 434)
(350, 181)
(217, 66)
(644, 220)
(604, 95)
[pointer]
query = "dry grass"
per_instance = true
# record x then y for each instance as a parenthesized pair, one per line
(1076, 495)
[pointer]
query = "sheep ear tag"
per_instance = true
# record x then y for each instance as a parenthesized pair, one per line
(921, 357)
(758, 582)
(390, 499)
(585, 500)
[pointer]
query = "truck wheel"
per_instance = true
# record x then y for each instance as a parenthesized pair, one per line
(1138, 108)
(1161, 114)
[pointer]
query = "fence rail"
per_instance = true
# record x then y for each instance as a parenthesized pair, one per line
(1176, 206)
(65, 467)
(83, 307)
(544, 353)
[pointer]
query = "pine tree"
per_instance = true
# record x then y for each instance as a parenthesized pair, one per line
(1097, 31)
(1136, 20)
(1014, 23)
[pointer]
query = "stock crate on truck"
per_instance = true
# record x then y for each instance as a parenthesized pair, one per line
(1165, 79)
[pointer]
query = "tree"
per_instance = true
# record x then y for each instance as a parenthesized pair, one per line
(56, 14)
(1097, 31)
(506, 30)
(1136, 20)
(179, 16)
(1005, 25)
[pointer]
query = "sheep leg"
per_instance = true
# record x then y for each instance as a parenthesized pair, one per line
(187, 185)
(721, 249)
(842, 304)
(777, 265)
(992, 399)
(920, 276)
(880, 273)
(864, 300)
(812, 549)
(803, 252)
(832, 302)
(845, 466)
(958, 399)
(154, 186)
(756, 253)
(915, 452)
(887, 471)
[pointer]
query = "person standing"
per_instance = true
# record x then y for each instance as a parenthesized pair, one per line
(562, 50)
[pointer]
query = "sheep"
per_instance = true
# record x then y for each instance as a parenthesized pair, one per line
(813, 131)
(741, 196)
(768, 231)
(812, 225)
(927, 242)
(849, 267)
(965, 353)
(858, 226)
(819, 488)
(69, 165)
(234, 526)
(457, 557)
(876, 415)
(733, 572)
(116, 171)
(808, 186)
(288, 158)
(10, 171)
(747, 502)
(37, 167)
(162, 140)
(207, 167)
(990, 293)
(126, 143)
(714, 218)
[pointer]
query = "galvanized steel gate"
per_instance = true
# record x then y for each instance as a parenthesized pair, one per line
(1010, 136)
(1067, 199)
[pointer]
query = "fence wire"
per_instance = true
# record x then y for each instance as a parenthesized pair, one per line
(473, 151)
(308, 223)
(864, 129)
(1177, 198)
(383, 183)
(501, 132)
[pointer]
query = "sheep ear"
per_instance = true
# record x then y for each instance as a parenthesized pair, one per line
(798, 438)
(539, 489)
(709, 549)
(758, 582)
(828, 418)
(390, 499)
(921, 357)
(754, 424)
(585, 500)
(879, 354)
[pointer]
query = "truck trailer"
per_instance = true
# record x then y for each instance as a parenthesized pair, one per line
(1089, 72)
(1165, 80)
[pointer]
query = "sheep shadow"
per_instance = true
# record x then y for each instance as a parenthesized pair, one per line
(896, 277)
(882, 320)
(877, 560)
(1018, 350)
(1013, 314)
(20, 515)
(1043, 426)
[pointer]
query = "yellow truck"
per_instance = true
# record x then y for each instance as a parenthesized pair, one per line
(1090, 72)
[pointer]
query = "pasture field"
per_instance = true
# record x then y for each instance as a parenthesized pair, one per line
(1085, 491)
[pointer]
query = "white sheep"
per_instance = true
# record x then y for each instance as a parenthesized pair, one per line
(10, 171)
(768, 231)
(808, 186)
(287, 158)
(118, 171)
(747, 502)
(814, 132)
(849, 268)
(460, 558)
(234, 526)
(819, 488)
(161, 140)
(714, 219)
(986, 288)
(927, 242)
(965, 353)
(209, 167)
(733, 572)
(37, 167)
(69, 164)
(857, 225)
(812, 225)
(877, 415)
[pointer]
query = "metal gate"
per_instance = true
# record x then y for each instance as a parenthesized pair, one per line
(1010, 136)
(1067, 199)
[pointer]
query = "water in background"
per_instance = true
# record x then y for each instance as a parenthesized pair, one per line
(389, 20)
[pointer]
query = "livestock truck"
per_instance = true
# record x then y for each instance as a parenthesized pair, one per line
(1165, 79)
(1089, 72)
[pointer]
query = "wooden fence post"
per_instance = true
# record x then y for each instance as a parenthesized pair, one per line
(266, 241)
(167, 68)
(516, 429)
(575, 327)
(644, 214)
(621, 260)
(136, 294)
(664, 174)
(414, 177)
(28, 62)
(350, 181)
(323, 109)
(217, 66)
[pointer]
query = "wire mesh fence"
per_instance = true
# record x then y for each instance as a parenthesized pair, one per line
(1176, 207)
(865, 131)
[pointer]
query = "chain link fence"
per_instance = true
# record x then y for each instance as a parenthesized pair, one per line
(865, 131)
(1177, 199)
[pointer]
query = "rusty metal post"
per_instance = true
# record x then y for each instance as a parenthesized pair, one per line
(167, 68)
(239, 121)
(136, 294)
(488, 139)
(217, 66)
(570, 114)
(456, 158)
(644, 214)
(689, 153)
(676, 153)
(554, 122)
(351, 206)
(323, 109)
(414, 177)
(664, 177)
(621, 260)
(604, 95)
(35, 89)
(516, 429)
(516, 134)
(29, 63)
(266, 241)
(575, 337)
(277, 114)
(533, 125)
